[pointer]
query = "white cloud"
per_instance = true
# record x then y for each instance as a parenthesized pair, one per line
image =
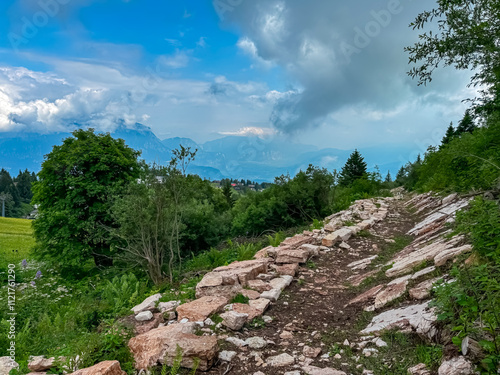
(180, 59)
(251, 131)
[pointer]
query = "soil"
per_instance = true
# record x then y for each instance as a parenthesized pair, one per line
(314, 308)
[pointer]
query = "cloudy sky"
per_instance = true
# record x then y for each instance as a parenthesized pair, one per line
(324, 72)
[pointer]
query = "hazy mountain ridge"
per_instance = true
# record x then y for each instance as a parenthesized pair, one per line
(259, 159)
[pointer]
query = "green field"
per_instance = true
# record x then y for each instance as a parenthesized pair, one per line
(16, 240)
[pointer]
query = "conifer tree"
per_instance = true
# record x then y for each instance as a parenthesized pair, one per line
(388, 178)
(450, 134)
(354, 168)
(466, 125)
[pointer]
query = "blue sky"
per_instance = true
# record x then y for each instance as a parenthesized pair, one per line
(322, 72)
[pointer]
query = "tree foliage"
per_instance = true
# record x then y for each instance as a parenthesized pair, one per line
(467, 37)
(354, 168)
(77, 184)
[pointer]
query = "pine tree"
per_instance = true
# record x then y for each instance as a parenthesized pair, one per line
(227, 191)
(466, 125)
(450, 134)
(388, 178)
(354, 168)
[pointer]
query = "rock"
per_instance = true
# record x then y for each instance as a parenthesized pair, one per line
(259, 285)
(313, 250)
(103, 368)
(153, 323)
(279, 283)
(168, 306)
(419, 318)
(256, 343)
(234, 320)
(292, 256)
(456, 366)
(40, 363)
(236, 342)
(380, 343)
(148, 304)
(281, 360)
(7, 364)
(144, 316)
(419, 369)
(287, 269)
(292, 373)
(297, 241)
(446, 255)
(201, 309)
(286, 335)
(260, 304)
(312, 370)
(423, 290)
(251, 312)
(311, 352)
(215, 284)
(227, 355)
(272, 295)
(344, 245)
(423, 272)
(160, 345)
(250, 294)
(361, 264)
(261, 254)
(438, 216)
(367, 296)
(410, 259)
(392, 291)
(339, 235)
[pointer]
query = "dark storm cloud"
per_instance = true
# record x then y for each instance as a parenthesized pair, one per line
(340, 53)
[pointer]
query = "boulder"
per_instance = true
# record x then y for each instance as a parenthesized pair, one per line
(7, 364)
(148, 304)
(423, 290)
(40, 363)
(419, 318)
(159, 346)
(259, 285)
(201, 309)
(103, 368)
(244, 271)
(168, 306)
(215, 284)
(234, 320)
(342, 234)
(252, 312)
(297, 241)
(281, 360)
(289, 269)
(144, 316)
(292, 256)
(456, 366)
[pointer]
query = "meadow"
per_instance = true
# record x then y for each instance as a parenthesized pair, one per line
(16, 240)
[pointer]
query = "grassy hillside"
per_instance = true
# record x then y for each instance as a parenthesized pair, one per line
(16, 240)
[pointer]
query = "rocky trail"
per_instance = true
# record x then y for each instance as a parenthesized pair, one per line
(319, 303)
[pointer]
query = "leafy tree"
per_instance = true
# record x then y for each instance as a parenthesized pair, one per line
(354, 168)
(77, 184)
(467, 37)
(8, 187)
(466, 125)
(449, 135)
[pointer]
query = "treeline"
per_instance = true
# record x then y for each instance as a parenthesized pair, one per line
(16, 192)
(98, 202)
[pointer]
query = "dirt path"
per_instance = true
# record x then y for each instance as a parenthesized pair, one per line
(313, 311)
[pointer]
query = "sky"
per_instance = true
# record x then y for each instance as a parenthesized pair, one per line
(323, 72)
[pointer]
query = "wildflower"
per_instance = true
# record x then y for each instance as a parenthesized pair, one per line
(24, 263)
(33, 284)
(38, 274)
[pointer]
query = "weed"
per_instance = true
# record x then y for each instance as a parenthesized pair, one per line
(311, 265)
(240, 298)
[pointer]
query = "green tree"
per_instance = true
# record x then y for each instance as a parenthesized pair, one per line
(466, 125)
(467, 37)
(227, 191)
(354, 168)
(8, 187)
(450, 134)
(388, 178)
(77, 184)
(24, 181)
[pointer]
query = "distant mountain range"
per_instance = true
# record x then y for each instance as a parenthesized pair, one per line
(250, 158)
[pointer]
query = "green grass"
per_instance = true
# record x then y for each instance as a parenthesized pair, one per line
(16, 240)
